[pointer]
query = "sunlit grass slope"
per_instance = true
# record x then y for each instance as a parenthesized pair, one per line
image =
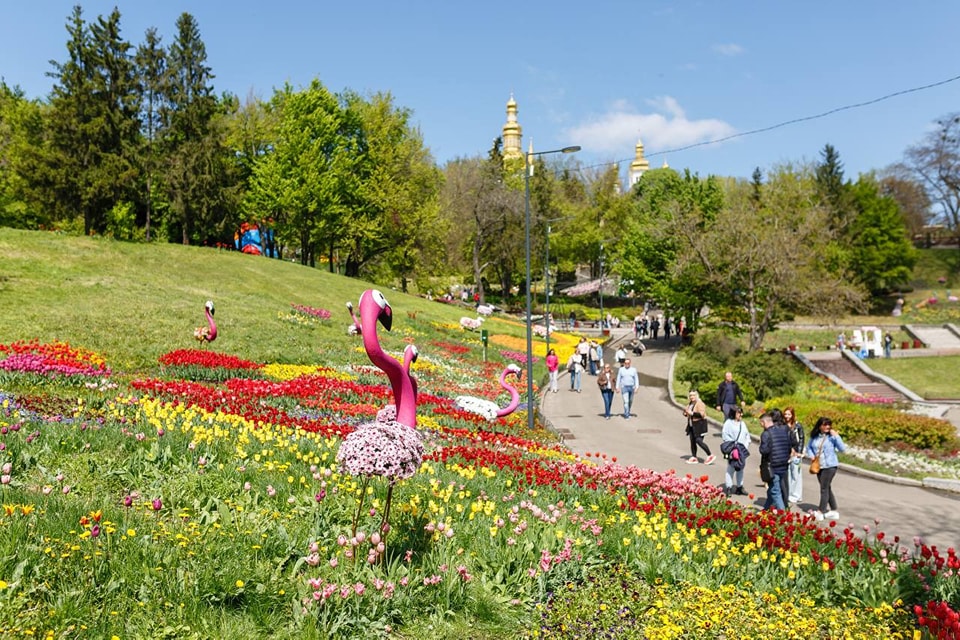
(134, 302)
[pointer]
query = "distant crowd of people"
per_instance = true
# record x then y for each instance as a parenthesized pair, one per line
(783, 443)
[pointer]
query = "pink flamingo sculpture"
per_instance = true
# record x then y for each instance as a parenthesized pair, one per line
(209, 332)
(389, 448)
(353, 329)
(408, 387)
(487, 408)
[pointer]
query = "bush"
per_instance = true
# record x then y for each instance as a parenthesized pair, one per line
(875, 426)
(769, 374)
(697, 372)
(716, 346)
(708, 391)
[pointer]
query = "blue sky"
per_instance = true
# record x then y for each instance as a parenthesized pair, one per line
(599, 74)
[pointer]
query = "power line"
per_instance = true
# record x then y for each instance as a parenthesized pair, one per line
(785, 123)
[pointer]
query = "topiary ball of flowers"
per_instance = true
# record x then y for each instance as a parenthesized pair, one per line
(388, 449)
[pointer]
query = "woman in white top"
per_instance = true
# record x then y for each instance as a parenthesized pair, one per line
(735, 431)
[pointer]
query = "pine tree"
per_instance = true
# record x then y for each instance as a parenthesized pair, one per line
(151, 62)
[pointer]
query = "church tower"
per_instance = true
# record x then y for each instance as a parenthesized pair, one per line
(639, 165)
(512, 134)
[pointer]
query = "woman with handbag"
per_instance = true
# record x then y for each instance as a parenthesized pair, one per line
(823, 447)
(696, 413)
(734, 447)
(606, 382)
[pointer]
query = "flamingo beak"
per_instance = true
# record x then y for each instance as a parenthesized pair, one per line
(386, 317)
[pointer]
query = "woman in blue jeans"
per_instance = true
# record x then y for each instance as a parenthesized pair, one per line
(824, 444)
(606, 382)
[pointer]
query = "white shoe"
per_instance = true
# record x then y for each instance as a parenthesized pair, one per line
(832, 515)
(816, 514)
(710, 459)
(692, 460)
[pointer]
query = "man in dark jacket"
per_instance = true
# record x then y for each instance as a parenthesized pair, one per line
(728, 394)
(775, 448)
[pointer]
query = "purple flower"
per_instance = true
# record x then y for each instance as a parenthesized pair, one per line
(388, 449)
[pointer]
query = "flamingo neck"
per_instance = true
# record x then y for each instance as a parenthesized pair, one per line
(379, 357)
(514, 395)
(407, 404)
(211, 326)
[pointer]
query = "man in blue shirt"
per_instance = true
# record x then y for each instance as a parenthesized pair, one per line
(775, 448)
(627, 382)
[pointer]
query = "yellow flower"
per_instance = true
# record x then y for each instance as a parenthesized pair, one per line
(240, 584)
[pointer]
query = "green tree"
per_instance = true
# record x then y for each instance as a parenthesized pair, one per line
(671, 213)
(86, 166)
(476, 204)
(305, 177)
(151, 62)
(193, 173)
(393, 203)
(763, 259)
(833, 190)
(881, 254)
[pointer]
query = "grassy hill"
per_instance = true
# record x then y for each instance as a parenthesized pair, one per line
(134, 302)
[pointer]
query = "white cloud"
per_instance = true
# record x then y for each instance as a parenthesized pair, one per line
(728, 49)
(666, 127)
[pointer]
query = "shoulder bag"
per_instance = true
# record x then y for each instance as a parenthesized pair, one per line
(815, 463)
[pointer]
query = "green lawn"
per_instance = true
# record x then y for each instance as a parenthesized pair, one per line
(933, 378)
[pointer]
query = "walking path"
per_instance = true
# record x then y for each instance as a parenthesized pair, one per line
(654, 438)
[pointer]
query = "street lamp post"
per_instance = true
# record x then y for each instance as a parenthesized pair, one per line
(546, 282)
(601, 289)
(527, 170)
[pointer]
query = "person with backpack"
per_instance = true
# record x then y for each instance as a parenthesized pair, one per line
(575, 369)
(735, 443)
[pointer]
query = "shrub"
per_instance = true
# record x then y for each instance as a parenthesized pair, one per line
(697, 372)
(769, 374)
(873, 426)
(716, 346)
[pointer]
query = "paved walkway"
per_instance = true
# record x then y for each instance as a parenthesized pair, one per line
(654, 438)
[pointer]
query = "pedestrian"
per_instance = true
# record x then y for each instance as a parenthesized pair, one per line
(728, 393)
(775, 449)
(621, 356)
(887, 344)
(736, 439)
(636, 327)
(599, 349)
(655, 328)
(841, 341)
(575, 369)
(696, 413)
(824, 444)
(606, 382)
(573, 319)
(583, 350)
(553, 364)
(594, 359)
(795, 468)
(627, 382)
(666, 328)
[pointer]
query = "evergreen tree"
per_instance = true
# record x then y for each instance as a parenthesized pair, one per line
(92, 126)
(151, 69)
(192, 169)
